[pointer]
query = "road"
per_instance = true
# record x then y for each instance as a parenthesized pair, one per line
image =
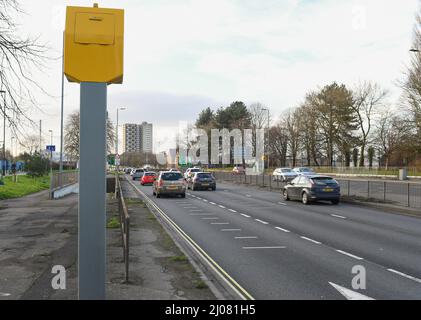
(285, 250)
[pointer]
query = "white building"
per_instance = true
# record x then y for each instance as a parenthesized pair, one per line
(138, 137)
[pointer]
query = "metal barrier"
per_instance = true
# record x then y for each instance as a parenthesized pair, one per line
(63, 179)
(124, 226)
(399, 193)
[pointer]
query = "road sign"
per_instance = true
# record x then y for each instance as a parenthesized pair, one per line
(93, 45)
(51, 148)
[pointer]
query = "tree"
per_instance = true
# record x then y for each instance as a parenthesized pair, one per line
(371, 153)
(368, 97)
(278, 144)
(19, 57)
(335, 118)
(72, 135)
(393, 134)
(355, 157)
(291, 123)
(36, 165)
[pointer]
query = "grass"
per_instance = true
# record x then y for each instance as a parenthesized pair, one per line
(113, 223)
(179, 259)
(25, 186)
(200, 284)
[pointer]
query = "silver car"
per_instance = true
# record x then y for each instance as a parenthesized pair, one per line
(304, 171)
(284, 174)
(169, 183)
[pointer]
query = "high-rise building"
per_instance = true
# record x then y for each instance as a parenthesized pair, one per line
(146, 137)
(131, 139)
(138, 137)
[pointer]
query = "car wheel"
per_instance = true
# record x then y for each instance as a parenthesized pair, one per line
(286, 197)
(304, 198)
(183, 195)
(213, 188)
(335, 202)
(158, 195)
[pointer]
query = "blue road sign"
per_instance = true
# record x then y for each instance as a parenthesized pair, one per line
(51, 148)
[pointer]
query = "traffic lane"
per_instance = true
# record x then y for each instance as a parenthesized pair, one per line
(297, 272)
(389, 247)
(382, 219)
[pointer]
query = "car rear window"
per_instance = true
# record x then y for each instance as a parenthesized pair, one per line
(204, 176)
(286, 170)
(195, 170)
(150, 174)
(140, 170)
(171, 176)
(323, 180)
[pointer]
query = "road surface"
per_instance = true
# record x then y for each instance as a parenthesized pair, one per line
(285, 250)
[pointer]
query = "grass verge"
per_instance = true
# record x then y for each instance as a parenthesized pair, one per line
(24, 186)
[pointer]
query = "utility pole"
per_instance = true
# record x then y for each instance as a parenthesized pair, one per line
(62, 111)
(4, 132)
(40, 136)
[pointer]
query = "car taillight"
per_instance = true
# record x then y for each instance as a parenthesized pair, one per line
(161, 183)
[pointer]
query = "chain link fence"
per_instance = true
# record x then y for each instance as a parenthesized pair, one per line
(399, 193)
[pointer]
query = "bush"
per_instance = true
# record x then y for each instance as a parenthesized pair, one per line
(36, 165)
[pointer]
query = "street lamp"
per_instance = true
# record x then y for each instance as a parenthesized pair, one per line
(268, 153)
(51, 153)
(4, 131)
(116, 140)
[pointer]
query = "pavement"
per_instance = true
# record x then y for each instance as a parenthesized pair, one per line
(285, 250)
(37, 234)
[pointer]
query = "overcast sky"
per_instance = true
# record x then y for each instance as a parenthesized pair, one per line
(182, 56)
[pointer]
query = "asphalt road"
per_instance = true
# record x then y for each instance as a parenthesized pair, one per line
(285, 250)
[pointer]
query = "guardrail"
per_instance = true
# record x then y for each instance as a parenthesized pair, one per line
(60, 180)
(400, 193)
(124, 226)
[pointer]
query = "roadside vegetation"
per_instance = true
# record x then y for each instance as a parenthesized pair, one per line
(25, 185)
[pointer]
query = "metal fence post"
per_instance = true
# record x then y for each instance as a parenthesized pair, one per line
(349, 187)
(368, 189)
(384, 191)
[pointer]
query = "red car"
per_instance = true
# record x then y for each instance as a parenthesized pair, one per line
(148, 178)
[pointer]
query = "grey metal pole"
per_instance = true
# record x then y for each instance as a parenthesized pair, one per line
(4, 136)
(92, 191)
(40, 136)
(62, 111)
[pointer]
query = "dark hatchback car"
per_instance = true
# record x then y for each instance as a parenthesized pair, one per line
(312, 188)
(201, 180)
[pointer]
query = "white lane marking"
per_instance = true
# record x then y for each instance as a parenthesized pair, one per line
(248, 196)
(338, 216)
(349, 294)
(5, 294)
(264, 222)
(240, 238)
(198, 198)
(213, 203)
(220, 223)
(257, 248)
(349, 255)
(311, 240)
(230, 230)
(244, 215)
(281, 203)
(210, 218)
(195, 210)
(284, 230)
(205, 200)
(222, 207)
(405, 275)
(232, 210)
(201, 214)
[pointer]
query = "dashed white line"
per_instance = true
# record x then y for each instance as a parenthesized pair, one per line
(201, 214)
(220, 223)
(349, 255)
(248, 196)
(240, 238)
(213, 203)
(338, 216)
(261, 221)
(281, 203)
(232, 210)
(198, 198)
(222, 207)
(405, 275)
(246, 216)
(5, 294)
(284, 230)
(311, 240)
(210, 218)
(230, 230)
(205, 200)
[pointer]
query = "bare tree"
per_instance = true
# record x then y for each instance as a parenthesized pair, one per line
(291, 122)
(278, 144)
(368, 97)
(31, 143)
(20, 58)
(72, 135)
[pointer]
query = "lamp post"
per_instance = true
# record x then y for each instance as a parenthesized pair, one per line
(116, 139)
(4, 132)
(62, 111)
(268, 153)
(51, 153)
